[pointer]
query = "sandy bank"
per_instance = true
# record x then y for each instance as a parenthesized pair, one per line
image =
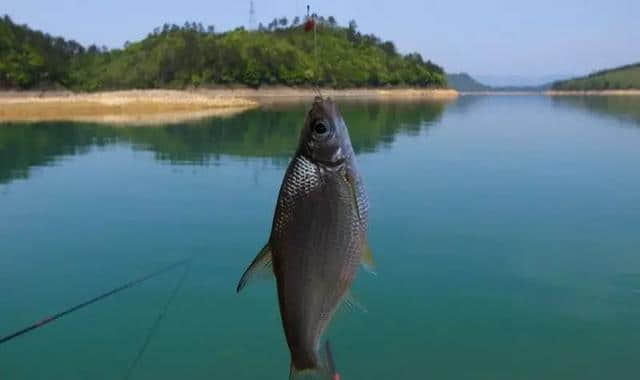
(594, 92)
(287, 93)
(167, 106)
(136, 106)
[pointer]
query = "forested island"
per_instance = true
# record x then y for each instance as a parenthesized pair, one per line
(620, 78)
(192, 55)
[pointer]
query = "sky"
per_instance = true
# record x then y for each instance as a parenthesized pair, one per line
(499, 41)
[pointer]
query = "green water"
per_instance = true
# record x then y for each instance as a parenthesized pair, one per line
(506, 232)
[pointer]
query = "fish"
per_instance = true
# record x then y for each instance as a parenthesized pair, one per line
(318, 237)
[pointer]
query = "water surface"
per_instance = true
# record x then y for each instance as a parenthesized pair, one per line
(505, 231)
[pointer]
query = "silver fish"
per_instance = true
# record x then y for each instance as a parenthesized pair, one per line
(318, 236)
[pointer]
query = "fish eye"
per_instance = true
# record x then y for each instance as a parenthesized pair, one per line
(320, 129)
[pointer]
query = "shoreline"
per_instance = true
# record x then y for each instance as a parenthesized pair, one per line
(502, 93)
(141, 107)
(631, 92)
(160, 106)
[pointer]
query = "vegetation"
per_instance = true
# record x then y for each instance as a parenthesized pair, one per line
(192, 56)
(619, 78)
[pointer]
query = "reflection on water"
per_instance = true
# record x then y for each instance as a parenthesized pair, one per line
(506, 241)
(619, 107)
(254, 133)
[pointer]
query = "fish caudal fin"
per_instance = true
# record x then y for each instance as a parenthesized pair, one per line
(326, 372)
(261, 264)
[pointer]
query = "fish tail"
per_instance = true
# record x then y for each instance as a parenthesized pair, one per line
(325, 371)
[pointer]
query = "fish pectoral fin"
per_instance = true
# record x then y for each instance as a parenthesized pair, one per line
(367, 258)
(351, 182)
(261, 264)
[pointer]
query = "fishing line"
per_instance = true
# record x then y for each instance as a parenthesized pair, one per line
(100, 297)
(156, 322)
(313, 19)
(315, 52)
(331, 364)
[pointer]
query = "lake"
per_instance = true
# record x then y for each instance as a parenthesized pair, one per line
(506, 231)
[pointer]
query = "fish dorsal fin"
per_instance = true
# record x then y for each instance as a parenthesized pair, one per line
(367, 258)
(261, 264)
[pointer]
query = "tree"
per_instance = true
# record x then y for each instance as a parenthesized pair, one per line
(283, 22)
(332, 21)
(296, 21)
(389, 48)
(176, 57)
(352, 32)
(273, 24)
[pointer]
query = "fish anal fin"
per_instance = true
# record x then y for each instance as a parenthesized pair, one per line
(261, 264)
(351, 303)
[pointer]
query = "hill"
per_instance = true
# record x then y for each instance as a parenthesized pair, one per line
(465, 83)
(192, 56)
(619, 78)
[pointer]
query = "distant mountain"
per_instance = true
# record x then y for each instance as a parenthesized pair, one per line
(619, 78)
(539, 88)
(463, 82)
(521, 81)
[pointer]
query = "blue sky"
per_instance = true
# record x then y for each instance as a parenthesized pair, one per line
(499, 40)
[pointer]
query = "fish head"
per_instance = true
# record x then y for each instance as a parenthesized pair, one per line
(325, 138)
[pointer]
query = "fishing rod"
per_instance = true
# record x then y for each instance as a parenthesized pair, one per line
(100, 297)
